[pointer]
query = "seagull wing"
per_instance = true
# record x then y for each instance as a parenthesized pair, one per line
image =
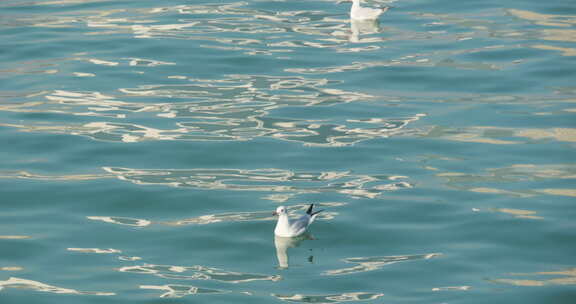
(300, 225)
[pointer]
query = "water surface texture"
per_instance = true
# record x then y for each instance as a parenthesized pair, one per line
(146, 143)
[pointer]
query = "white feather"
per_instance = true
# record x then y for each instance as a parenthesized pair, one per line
(358, 12)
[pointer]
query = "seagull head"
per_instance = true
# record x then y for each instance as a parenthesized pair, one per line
(279, 211)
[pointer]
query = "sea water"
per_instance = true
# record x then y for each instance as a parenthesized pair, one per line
(145, 144)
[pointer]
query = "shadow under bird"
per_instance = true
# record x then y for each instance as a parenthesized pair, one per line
(285, 227)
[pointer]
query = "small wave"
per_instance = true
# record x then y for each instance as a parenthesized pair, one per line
(365, 264)
(39, 286)
(198, 273)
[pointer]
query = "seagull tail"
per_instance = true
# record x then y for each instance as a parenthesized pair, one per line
(309, 211)
(316, 212)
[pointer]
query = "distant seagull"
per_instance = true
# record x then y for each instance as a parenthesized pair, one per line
(291, 228)
(364, 13)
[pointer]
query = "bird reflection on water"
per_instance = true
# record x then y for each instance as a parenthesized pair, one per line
(365, 27)
(282, 245)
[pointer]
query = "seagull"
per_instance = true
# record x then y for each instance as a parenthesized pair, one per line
(365, 13)
(291, 228)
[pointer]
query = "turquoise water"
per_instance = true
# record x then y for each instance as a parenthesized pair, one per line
(146, 143)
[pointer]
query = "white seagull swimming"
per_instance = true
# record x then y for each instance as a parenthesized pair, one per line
(291, 228)
(358, 12)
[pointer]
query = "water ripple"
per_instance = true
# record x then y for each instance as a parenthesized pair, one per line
(203, 21)
(366, 264)
(452, 288)
(544, 19)
(121, 220)
(510, 177)
(9, 174)
(445, 58)
(10, 268)
(197, 273)
(551, 27)
(205, 220)
(39, 286)
(233, 108)
(251, 216)
(503, 135)
(179, 291)
(14, 237)
(519, 213)
(95, 250)
(237, 18)
(269, 180)
(563, 277)
(330, 298)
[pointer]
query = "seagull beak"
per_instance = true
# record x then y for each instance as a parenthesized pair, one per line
(274, 213)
